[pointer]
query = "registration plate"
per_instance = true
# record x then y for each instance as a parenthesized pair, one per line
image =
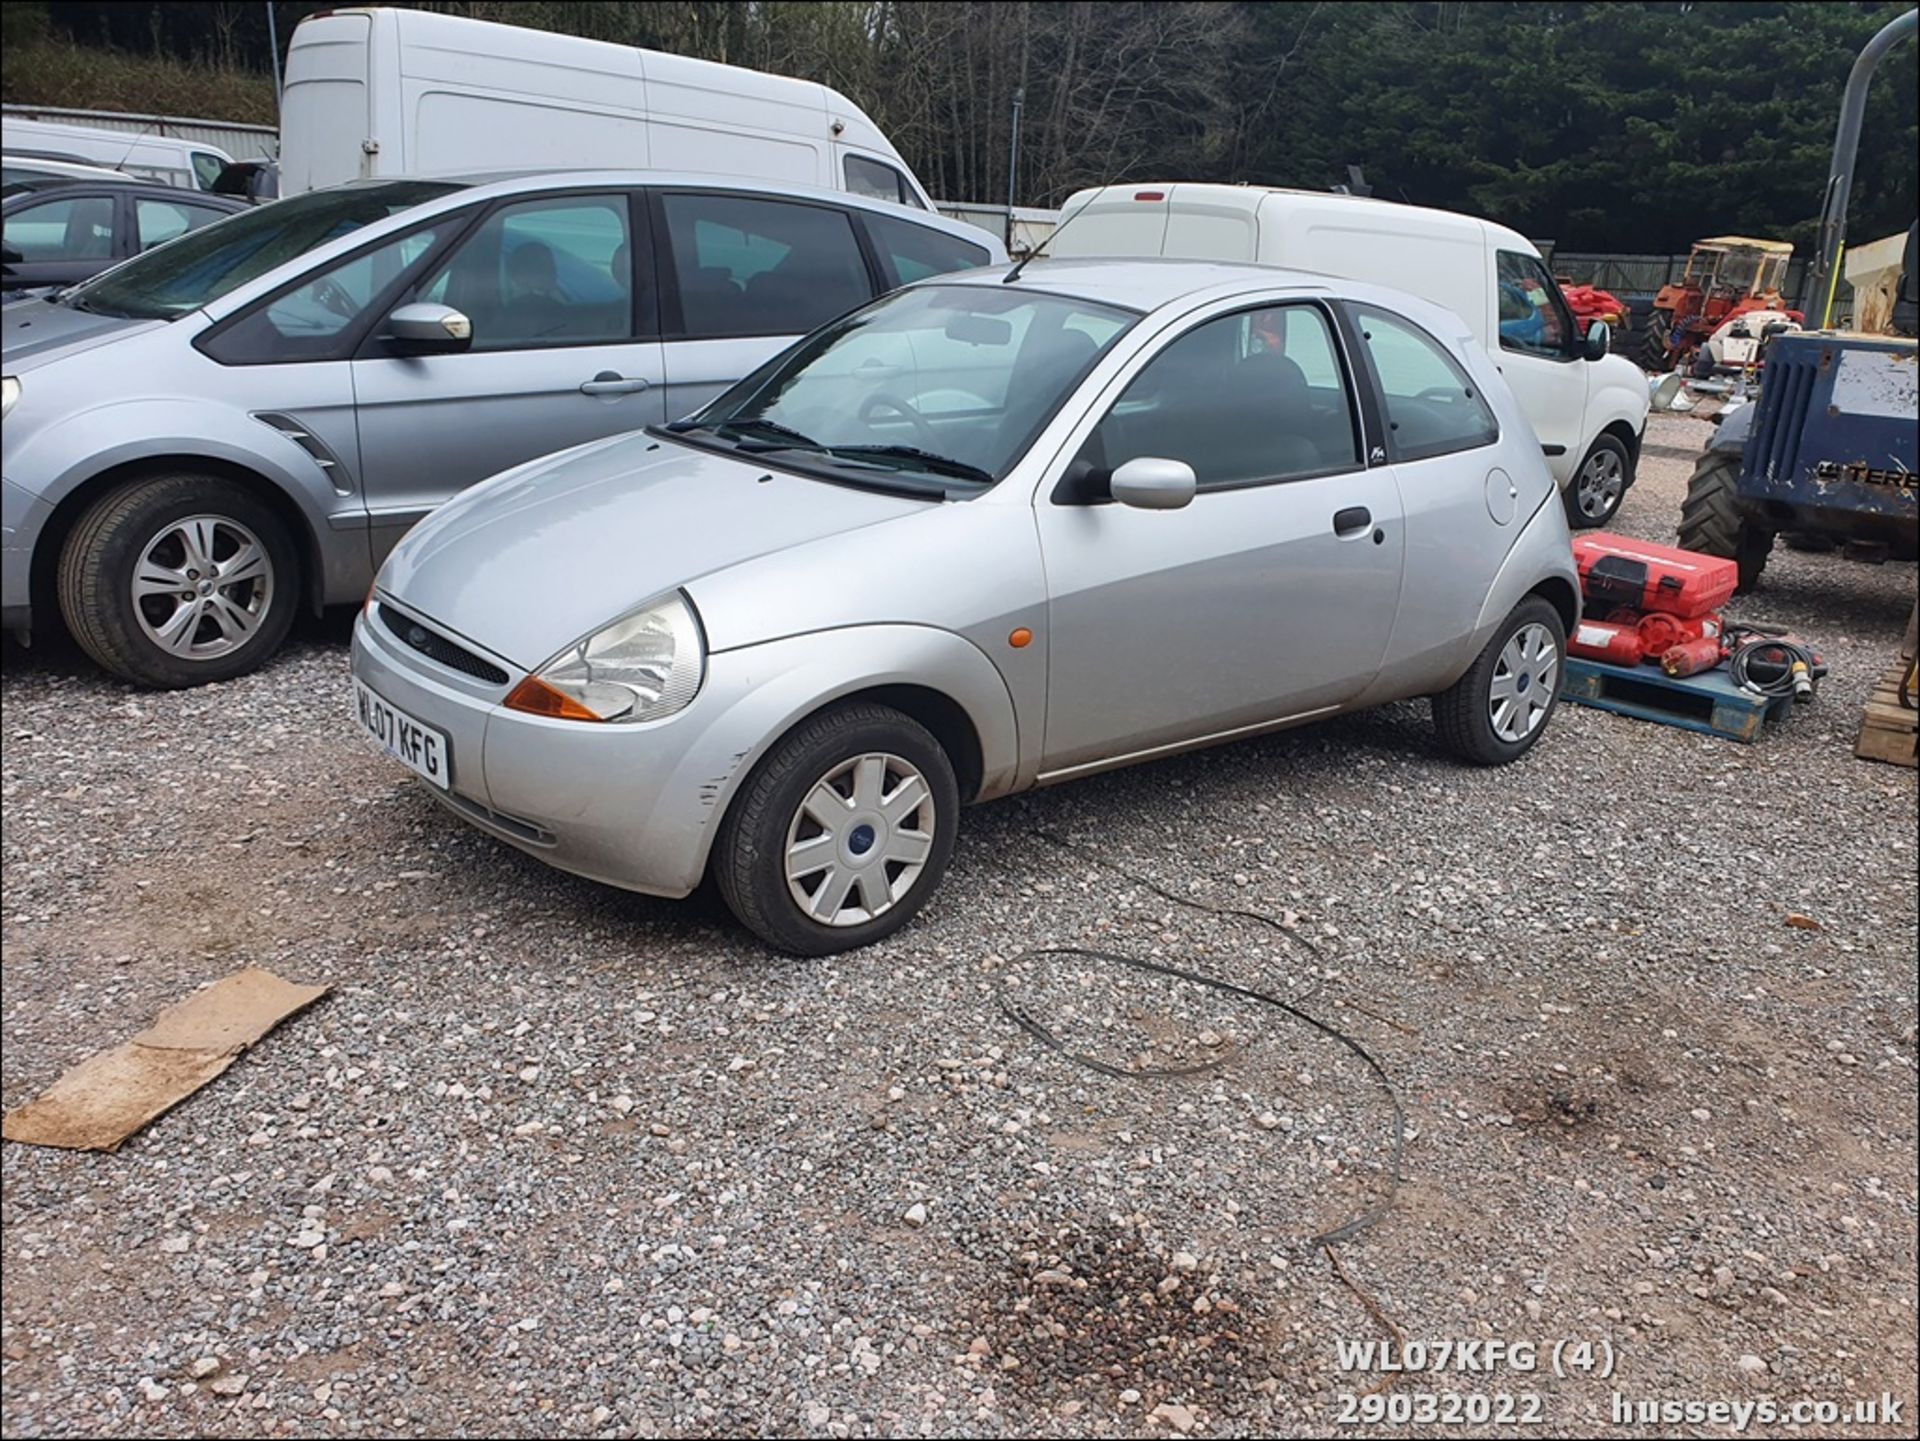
(419, 747)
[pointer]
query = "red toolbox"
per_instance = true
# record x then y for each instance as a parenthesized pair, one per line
(1619, 571)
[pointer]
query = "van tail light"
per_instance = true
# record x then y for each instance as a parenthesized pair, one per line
(1149, 195)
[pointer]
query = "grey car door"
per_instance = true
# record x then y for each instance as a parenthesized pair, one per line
(743, 277)
(1271, 595)
(61, 238)
(1463, 511)
(565, 350)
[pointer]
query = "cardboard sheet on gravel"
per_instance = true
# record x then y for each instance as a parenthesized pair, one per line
(106, 1098)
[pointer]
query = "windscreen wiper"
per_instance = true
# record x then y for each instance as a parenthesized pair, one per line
(925, 459)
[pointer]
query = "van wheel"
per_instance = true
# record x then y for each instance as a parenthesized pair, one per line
(179, 580)
(1593, 498)
(1496, 711)
(841, 834)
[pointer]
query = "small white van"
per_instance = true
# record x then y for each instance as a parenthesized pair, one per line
(185, 164)
(382, 92)
(1588, 408)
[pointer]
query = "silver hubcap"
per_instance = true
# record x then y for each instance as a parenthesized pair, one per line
(202, 587)
(1601, 481)
(860, 839)
(1523, 683)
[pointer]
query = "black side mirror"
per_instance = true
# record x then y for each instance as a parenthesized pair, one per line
(1598, 340)
(10, 256)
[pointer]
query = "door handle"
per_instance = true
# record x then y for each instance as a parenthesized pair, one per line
(1351, 521)
(609, 382)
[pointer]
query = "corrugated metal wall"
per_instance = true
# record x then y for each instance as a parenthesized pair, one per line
(242, 142)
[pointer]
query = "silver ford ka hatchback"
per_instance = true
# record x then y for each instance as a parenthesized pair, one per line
(989, 532)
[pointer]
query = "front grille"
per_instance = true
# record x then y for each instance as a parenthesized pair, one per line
(435, 646)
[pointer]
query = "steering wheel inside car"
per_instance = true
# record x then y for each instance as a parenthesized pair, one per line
(330, 296)
(924, 433)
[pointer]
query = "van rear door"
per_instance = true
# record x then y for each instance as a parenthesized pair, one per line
(324, 106)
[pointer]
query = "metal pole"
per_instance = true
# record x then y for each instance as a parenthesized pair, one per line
(1822, 277)
(1013, 164)
(273, 45)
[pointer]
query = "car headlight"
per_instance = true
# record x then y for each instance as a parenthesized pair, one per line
(641, 667)
(9, 393)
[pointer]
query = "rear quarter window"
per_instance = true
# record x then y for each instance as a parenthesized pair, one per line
(910, 252)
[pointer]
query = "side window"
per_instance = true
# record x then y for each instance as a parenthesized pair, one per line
(910, 252)
(1432, 405)
(543, 272)
(207, 168)
(159, 221)
(73, 229)
(762, 267)
(1250, 397)
(1533, 316)
(876, 180)
(310, 321)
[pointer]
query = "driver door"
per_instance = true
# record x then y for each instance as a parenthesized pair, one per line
(1271, 595)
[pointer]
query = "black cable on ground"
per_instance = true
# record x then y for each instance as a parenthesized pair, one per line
(1041, 1033)
(1772, 663)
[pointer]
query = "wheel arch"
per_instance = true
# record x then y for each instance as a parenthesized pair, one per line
(66, 513)
(1563, 596)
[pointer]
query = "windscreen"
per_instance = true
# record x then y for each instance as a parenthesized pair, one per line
(204, 265)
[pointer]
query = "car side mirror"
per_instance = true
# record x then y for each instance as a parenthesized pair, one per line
(423, 329)
(1150, 483)
(1598, 340)
(11, 256)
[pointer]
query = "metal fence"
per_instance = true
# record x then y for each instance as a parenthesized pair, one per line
(1030, 225)
(242, 142)
(1641, 275)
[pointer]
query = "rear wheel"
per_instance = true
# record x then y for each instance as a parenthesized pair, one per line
(1653, 350)
(842, 832)
(1593, 498)
(1712, 523)
(1496, 711)
(179, 580)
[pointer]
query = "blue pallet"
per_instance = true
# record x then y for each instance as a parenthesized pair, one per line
(1711, 703)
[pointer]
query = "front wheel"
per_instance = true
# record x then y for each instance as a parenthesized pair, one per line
(179, 580)
(1593, 498)
(842, 832)
(1496, 711)
(1712, 522)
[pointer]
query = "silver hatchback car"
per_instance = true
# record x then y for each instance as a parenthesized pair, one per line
(241, 423)
(990, 532)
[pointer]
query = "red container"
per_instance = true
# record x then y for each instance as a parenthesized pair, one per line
(1619, 571)
(1611, 641)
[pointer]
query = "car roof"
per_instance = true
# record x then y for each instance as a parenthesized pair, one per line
(1145, 283)
(490, 183)
(63, 186)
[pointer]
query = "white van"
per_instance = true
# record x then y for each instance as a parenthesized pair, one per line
(187, 164)
(380, 92)
(1588, 408)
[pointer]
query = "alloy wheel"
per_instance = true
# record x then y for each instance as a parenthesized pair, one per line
(1600, 484)
(202, 587)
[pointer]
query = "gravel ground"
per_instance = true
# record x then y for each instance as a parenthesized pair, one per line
(552, 1159)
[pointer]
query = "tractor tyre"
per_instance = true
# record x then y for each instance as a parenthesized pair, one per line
(1711, 522)
(1653, 350)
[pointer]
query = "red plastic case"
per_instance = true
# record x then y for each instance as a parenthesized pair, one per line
(1619, 571)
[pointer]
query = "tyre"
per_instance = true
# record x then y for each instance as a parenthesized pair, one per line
(1496, 711)
(1593, 496)
(841, 833)
(1711, 520)
(1653, 350)
(179, 580)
